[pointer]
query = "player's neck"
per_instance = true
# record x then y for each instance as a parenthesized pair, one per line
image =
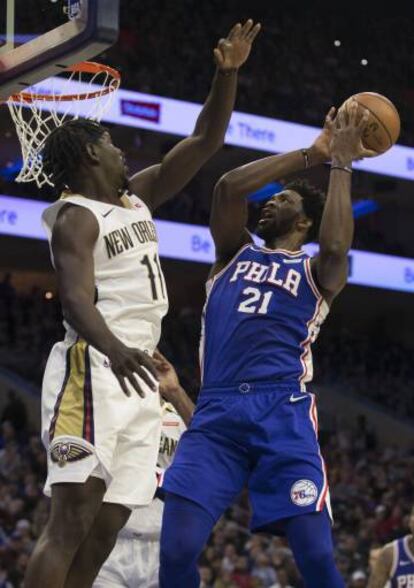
(96, 189)
(288, 242)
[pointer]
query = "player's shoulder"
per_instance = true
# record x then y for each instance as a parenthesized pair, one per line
(389, 552)
(132, 201)
(67, 215)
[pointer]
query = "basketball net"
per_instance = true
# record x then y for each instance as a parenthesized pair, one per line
(87, 91)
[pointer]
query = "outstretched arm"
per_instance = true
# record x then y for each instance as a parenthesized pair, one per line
(171, 390)
(160, 182)
(382, 568)
(229, 210)
(330, 267)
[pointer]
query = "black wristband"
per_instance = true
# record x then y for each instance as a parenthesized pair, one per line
(227, 72)
(306, 157)
(344, 168)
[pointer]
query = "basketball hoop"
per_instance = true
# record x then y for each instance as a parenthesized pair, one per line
(87, 92)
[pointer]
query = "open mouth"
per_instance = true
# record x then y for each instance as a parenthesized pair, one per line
(267, 215)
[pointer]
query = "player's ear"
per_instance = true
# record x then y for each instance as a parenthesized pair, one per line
(92, 153)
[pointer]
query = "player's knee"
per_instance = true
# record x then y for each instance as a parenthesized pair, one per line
(180, 551)
(69, 528)
(317, 558)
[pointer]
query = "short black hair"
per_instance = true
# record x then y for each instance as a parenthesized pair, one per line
(313, 202)
(65, 147)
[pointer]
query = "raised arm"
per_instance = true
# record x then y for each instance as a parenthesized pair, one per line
(74, 264)
(229, 211)
(380, 574)
(160, 182)
(330, 267)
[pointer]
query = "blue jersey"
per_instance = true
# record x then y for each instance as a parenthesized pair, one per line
(263, 312)
(402, 573)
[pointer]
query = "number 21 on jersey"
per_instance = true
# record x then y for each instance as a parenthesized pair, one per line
(256, 302)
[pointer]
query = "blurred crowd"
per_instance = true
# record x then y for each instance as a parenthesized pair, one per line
(372, 494)
(296, 72)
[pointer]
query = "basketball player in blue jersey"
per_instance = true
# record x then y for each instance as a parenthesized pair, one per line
(394, 566)
(255, 424)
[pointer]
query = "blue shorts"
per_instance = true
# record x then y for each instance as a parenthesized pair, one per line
(263, 436)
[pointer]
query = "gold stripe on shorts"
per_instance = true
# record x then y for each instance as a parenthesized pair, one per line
(71, 410)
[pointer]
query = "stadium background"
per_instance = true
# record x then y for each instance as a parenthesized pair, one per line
(364, 368)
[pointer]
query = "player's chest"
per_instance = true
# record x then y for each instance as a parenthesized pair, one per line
(258, 288)
(124, 236)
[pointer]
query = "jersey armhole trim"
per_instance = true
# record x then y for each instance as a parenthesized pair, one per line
(283, 251)
(311, 281)
(128, 197)
(407, 548)
(81, 204)
(218, 275)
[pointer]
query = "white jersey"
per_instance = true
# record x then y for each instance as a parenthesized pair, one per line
(130, 291)
(146, 521)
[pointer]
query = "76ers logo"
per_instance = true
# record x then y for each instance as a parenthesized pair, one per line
(303, 493)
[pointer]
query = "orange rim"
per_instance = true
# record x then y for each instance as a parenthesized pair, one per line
(89, 67)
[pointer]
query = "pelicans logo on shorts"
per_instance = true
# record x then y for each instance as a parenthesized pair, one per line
(64, 452)
(303, 493)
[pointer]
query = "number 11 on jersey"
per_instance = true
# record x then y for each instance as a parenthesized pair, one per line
(154, 278)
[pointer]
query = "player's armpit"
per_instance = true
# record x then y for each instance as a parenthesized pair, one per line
(330, 272)
(382, 568)
(228, 220)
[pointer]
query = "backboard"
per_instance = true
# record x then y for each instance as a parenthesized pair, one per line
(39, 38)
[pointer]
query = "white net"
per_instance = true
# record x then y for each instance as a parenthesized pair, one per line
(85, 92)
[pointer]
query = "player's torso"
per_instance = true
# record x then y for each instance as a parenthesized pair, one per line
(130, 287)
(146, 521)
(262, 314)
(402, 575)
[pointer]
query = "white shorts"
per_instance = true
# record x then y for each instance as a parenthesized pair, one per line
(90, 427)
(133, 563)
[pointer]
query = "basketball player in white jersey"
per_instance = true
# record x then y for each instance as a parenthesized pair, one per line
(394, 566)
(101, 415)
(134, 561)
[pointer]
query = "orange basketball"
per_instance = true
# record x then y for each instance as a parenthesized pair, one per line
(383, 128)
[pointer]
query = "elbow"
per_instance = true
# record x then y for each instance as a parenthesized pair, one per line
(336, 249)
(71, 302)
(210, 141)
(225, 186)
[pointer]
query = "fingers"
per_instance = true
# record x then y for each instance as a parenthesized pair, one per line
(145, 377)
(330, 118)
(248, 31)
(160, 361)
(340, 121)
(158, 356)
(254, 32)
(123, 385)
(364, 152)
(246, 28)
(364, 119)
(146, 362)
(235, 31)
(353, 113)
